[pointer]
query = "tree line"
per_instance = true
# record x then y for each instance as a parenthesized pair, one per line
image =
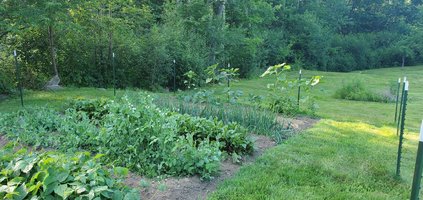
(75, 40)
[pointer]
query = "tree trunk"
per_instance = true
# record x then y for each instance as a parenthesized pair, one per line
(110, 39)
(52, 49)
(403, 61)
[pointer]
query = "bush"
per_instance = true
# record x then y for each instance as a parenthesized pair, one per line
(284, 105)
(56, 176)
(134, 133)
(355, 90)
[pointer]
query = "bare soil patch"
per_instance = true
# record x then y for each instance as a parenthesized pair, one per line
(298, 123)
(192, 188)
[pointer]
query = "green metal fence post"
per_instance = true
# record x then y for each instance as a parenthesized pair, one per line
(299, 89)
(229, 66)
(401, 136)
(401, 102)
(415, 190)
(396, 102)
(18, 77)
(114, 74)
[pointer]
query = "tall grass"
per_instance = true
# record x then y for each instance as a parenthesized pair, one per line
(259, 121)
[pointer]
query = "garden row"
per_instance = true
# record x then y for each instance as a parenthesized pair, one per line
(132, 132)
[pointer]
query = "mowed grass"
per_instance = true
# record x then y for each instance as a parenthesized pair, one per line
(55, 99)
(377, 80)
(333, 160)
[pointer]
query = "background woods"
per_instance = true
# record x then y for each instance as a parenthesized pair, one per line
(75, 39)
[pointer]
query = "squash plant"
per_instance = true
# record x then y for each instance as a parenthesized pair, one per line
(26, 175)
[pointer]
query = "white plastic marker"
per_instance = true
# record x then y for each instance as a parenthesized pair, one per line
(174, 61)
(14, 53)
(113, 55)
(399, 80)
(300, 71)
(405, 79)
(421, 132)
(406, 86)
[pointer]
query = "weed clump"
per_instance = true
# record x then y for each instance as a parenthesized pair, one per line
(356, 90)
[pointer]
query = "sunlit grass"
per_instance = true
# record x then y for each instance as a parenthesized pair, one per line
(333, 160)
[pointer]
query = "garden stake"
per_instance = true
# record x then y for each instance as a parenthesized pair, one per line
(415, 190)
(401, 136)
(114, 74)
(401, 102)
(18, 76)
(299, 89)
(229, 66)
(174, 75)
(396, 102)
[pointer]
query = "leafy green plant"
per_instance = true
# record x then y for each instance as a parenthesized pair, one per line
(190, 79)
(356, 90)
(286, 104)
(26, 175)
(131, 132)
(256, 120)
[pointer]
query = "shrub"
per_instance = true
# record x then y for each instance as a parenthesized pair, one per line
(56, 176)
(355, 90)
(285, 105)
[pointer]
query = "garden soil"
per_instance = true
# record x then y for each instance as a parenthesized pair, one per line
(192, 188)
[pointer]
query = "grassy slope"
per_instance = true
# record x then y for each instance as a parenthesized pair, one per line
(337, 160)
(343, 110)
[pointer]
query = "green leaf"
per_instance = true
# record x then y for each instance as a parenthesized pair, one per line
(120, 171)
(60, 190)
(22, 192)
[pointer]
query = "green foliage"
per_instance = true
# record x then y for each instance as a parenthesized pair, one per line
(256, 120)
(356, 90)
(51, 175)
(132, 132)
(280, 97)
(191, 79)
(146, 36)
(283, 104)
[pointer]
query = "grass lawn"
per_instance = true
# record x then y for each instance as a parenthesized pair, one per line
(378, 80)
(333, 160)
(54, 98)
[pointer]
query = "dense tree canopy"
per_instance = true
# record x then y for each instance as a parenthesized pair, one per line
(75, 39)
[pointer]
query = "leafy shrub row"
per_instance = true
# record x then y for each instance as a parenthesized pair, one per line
(51, 175)
(134, 133)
